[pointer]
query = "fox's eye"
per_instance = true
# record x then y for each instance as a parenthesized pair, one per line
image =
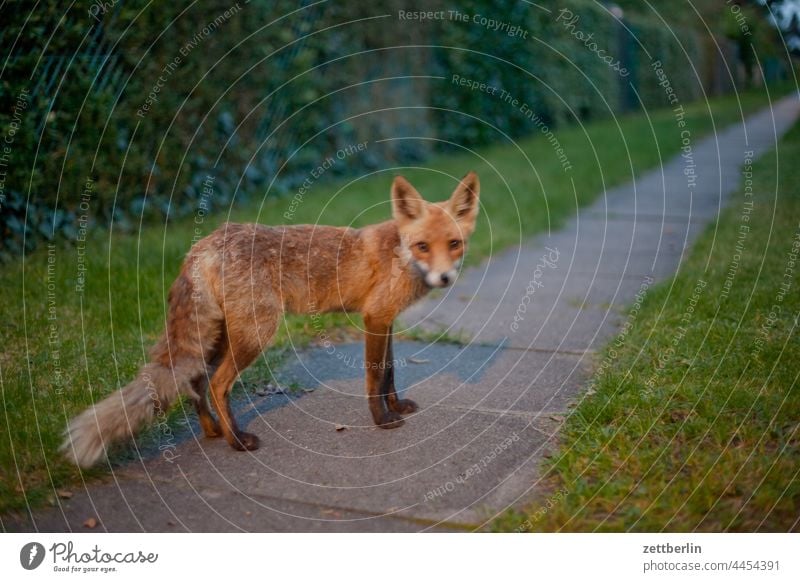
(423, 247)
(455, 244)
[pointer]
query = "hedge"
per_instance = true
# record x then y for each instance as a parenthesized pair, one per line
(116, 112)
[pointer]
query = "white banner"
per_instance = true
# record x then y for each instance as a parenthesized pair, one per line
(389, 557)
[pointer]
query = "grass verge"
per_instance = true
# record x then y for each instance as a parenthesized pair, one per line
(694, 425)
(67, 344)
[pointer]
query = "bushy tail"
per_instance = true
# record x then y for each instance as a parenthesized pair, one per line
(193, 329)
(119, 416)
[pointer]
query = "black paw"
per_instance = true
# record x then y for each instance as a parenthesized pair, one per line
(390, 420)
(404, 406)
(245, 441)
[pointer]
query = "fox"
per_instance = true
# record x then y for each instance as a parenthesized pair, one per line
(237, 283)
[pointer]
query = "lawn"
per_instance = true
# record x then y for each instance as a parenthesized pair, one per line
(694, 426)
(65, 345)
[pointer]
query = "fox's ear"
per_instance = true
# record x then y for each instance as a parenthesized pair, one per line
(464, 201)
(407, 204)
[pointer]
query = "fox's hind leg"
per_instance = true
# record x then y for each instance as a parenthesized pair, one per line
(246, 340)
(235, 360)
(208, 423)
(213, 356)
(393, 403)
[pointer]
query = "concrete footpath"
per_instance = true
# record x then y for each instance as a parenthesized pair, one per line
(536, 315)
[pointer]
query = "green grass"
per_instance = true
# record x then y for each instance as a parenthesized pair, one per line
(62, 348)
(694, 426)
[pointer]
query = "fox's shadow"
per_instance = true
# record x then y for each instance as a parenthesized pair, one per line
(310, 369)
(414, 362)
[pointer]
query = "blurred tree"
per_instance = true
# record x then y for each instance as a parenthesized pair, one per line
(745, 24)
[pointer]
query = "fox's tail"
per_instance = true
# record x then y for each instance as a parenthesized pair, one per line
(193, 328)
(124, 412)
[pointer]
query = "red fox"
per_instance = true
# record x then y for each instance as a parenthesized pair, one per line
(235, 284)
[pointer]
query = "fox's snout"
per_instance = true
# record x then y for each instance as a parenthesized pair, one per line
(438, 279)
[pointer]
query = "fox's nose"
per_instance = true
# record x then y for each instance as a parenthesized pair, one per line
(445, 278)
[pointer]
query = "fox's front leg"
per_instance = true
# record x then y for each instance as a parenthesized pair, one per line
(378, 334)
(401, 406)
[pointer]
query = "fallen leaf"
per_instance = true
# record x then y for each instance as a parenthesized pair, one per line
(340, 427)
(91, 523)
(64, 494)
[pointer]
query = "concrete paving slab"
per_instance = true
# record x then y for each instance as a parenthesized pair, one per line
(393, 473)
(565, 324)
(470, 377)
(135, 504)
